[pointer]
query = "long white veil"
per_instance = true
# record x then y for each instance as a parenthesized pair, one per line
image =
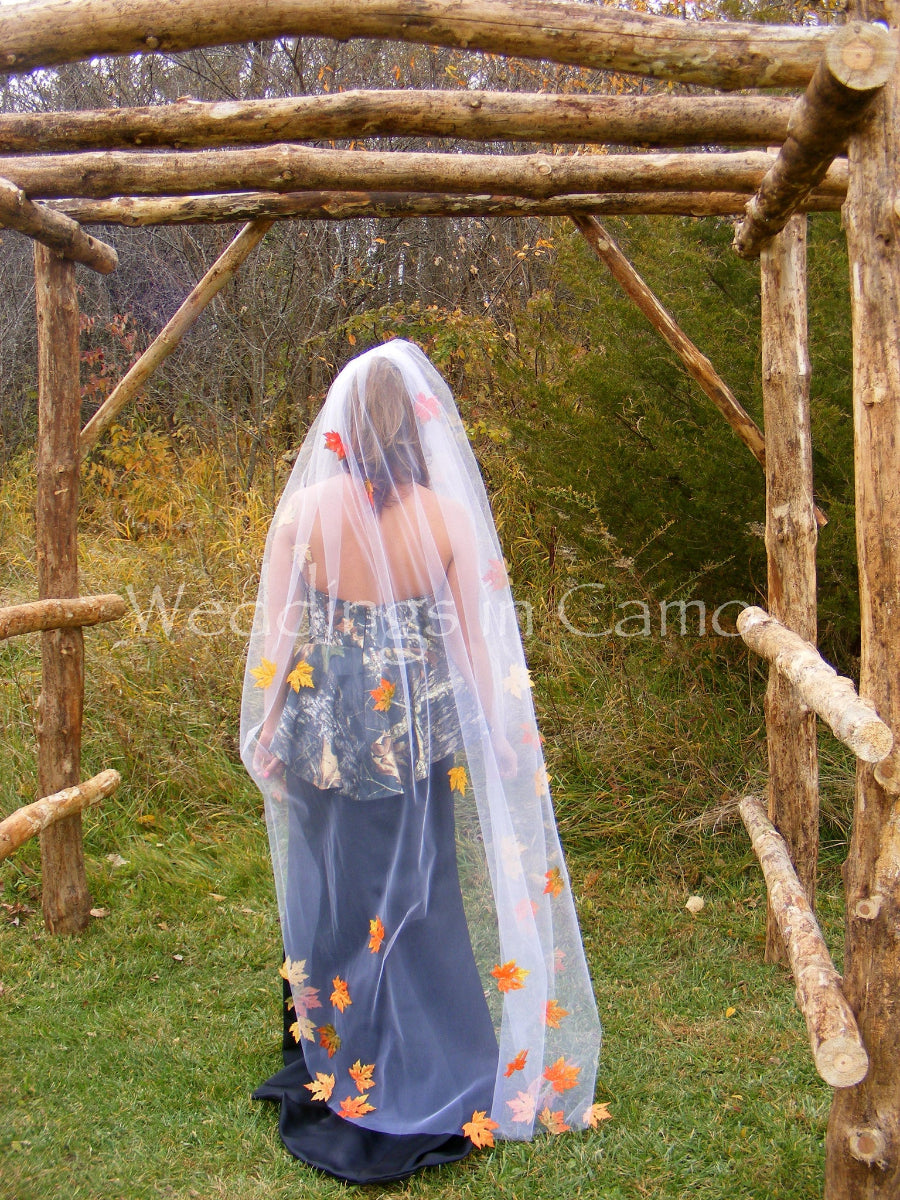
(385, 645)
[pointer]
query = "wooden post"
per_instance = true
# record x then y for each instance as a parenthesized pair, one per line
(863, 1140)
(54, 229)
(66, 899)
(791, 531)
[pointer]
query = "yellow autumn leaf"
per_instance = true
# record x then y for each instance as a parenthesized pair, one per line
(517, 680)
(340, 997)
(264, 674)
(294, 972)
(361, 1074)
(301, 676)
(459, 780)
(480, 1130)
(595, 1114)
(321, 1087)
(303, 1028)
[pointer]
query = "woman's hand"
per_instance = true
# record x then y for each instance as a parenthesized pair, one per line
(507, 759)
(268, 765)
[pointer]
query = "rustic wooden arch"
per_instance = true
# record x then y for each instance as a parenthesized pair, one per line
(193, 162)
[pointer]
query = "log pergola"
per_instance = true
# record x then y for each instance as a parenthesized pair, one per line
(831, 144)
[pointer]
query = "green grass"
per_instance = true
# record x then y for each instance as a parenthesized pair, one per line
(129, 1052)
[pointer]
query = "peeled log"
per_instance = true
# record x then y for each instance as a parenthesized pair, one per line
(23, 824)
(42, 33)
(285, 168)
(837, 1047)
(476, 115)
(349, 206)
(169, 338)
(54, 229)
(59, 614)
(858, 61)
(853, 720)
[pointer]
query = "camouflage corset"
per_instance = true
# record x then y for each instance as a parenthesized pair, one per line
(370, 703)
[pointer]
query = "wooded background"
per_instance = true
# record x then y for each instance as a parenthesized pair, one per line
(551, 365)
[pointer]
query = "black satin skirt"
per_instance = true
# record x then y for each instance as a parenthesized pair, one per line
(424, 1020)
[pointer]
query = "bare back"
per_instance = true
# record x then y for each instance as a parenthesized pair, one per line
(414, 536)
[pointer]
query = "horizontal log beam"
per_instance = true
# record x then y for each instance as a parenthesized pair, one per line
(285, 168)
(53, 229)
(25, 822)
(852, 719)
(475, 115)
(346, 205)
(837, 1047)
(857, 63)
(169, 338)
(59, 614)
(41, 33)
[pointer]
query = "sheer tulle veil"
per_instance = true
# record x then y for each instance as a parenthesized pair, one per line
(386, 499)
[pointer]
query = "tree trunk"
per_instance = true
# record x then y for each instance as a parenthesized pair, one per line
(863, 1142)
(284, 168)
(853, 719)
(858, 61)
(54, 229)
(42, 33)
(349, 206)
(25, 822)
(59, 614)
(838, 1051)
(793, 789)
(66, 899)
(477, 115)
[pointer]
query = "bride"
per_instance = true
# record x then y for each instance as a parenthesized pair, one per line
(436, 991)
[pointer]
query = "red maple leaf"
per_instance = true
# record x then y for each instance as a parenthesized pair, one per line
(333, 441)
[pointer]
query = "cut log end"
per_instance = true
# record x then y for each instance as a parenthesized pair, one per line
(871, 740)
(842, 1062)
(861, 56)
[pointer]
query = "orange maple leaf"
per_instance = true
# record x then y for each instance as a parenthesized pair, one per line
(302, 1028)
(328, 1038)
(459, 780)
(362, 1075)
(522, 1108)
(340, 997)
(553, 1014)
(562, 1075)
(333, 441)
(516, 1064)
(321, 1087)
(376, 935)
(595, 1114)
(383, 695)
(524, 908)
(554, 882)
(553, 1120)
(480, 1130)
(356, 1106)
(509, 977)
